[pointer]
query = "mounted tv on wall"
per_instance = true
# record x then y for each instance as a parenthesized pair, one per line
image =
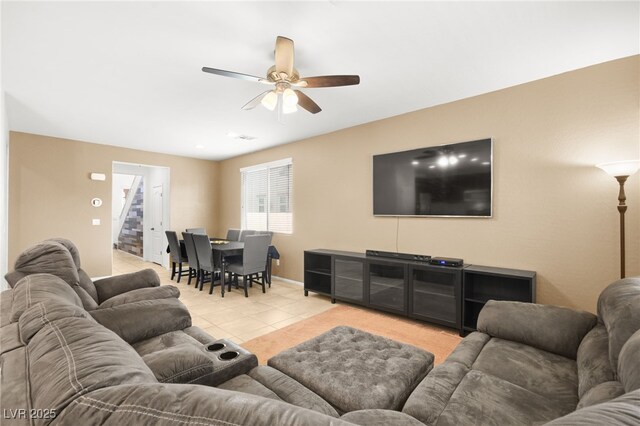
(453, 180)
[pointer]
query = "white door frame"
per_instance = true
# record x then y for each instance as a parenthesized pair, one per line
(153, 175)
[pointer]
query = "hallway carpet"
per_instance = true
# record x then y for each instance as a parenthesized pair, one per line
(438, 340)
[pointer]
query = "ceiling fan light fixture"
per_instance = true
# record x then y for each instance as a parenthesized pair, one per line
(289, 97)
(288, 109)
(270, 101)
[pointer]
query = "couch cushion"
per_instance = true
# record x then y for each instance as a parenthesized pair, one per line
(622, 411)
(593, 362)
(69, 245)
(629, 363)
(469, 348)
(141, 320)
(246, 384)
(619, 309)
(431, 396)
(13, 382)
(149, 293)
(544, 373)
(601, 393)
(86, 284)
(48, 257)
(70, 356)
(6, 299)
(175, 404)
(10, 338)
(164, 341)
(491, 400)
(380, 418)
(289, 390)
(37, 288)
(179, 364)
(550, 328)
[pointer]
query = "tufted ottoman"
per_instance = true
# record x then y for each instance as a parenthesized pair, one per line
(355, 370)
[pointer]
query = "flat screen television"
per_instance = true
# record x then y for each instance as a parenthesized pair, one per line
(447, 180)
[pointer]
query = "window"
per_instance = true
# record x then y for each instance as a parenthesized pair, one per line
(266, 197)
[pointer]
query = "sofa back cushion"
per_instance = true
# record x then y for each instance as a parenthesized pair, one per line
(619, 310)
(551, 328)
(38, 288)
(629, 363)
(58, 257)
(593, 362)
(48, 257)
(69, 354)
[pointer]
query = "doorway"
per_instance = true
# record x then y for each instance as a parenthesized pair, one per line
(140, 210)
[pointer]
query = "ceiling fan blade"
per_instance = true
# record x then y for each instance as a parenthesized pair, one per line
(233, 74)
(331, 80)
(284, 55)
(255, 101)
(307, 103)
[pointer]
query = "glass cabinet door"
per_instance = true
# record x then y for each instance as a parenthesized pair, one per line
(349, 279)
(387, 286)
(435, 294)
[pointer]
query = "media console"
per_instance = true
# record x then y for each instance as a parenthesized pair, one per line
(447, 295)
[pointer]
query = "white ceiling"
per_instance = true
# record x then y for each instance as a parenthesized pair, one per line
(129, 73)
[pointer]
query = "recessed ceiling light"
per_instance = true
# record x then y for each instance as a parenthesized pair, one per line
(474, 159)
(200, 146)
(462, 156)
(485, 163)
(432, 166)
(415, 162)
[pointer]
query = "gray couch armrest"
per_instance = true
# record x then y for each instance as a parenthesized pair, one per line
(550, 328)
(138, 295)
(138, 321)
(112, 286)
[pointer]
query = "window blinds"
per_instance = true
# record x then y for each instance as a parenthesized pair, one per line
(266, 197)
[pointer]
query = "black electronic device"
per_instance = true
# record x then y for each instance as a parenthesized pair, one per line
(401, 256)
(446, 261)
(447, 180)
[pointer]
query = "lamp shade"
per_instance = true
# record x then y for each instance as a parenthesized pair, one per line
(270, 101)
(620, 168)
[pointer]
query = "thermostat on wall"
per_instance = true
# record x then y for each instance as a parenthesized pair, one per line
(96, 202)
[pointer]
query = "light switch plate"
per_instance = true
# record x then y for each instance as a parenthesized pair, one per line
(95, 222)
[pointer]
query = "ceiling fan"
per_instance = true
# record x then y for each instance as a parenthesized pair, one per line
(286, 79)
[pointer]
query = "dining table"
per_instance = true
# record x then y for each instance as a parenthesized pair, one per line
(224, 249)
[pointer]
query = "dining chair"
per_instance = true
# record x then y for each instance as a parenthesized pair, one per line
(206, 263)
(269, 233)
(192, 256)
(245, 233)
(178, 256)
(269, 260)
(200, 231)
(233, 234)
(254, 261)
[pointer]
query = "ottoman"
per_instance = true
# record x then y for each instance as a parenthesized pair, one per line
(355, 370)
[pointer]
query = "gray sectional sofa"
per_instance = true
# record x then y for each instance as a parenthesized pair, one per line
(140, 361)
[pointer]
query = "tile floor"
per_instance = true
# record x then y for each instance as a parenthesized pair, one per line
(235, 317)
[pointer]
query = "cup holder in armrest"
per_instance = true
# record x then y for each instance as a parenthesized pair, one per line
(214, 347)
(229, 355)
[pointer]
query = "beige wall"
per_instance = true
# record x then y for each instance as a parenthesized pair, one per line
(50, 193)
(554, 212)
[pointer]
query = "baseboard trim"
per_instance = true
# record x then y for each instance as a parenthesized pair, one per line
(287, 280)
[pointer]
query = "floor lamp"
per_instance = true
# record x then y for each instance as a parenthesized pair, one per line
(621, 170)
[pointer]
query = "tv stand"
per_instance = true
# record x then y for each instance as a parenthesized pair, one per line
(445, 295)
